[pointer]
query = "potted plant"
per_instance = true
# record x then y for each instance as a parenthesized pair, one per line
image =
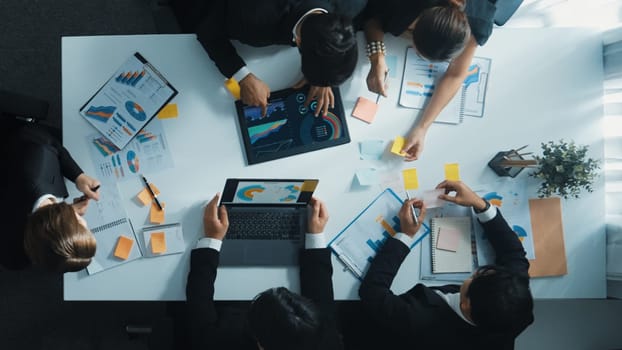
(565, 169)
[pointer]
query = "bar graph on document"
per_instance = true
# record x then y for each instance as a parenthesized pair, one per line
(419, 79)
(147, 152)
(358, 243)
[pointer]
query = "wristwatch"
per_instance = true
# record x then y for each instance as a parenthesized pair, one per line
(483, 210)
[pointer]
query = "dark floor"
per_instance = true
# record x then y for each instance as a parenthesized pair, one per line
(33, 314)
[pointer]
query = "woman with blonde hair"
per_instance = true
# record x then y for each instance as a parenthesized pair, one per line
(41, 229)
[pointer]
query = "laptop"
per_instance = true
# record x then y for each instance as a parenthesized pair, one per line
(267, 221)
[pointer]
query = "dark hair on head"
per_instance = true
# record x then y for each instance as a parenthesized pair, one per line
(441, 32)
(500, 299)
(282, 320)
(55, 240)
(328, 49)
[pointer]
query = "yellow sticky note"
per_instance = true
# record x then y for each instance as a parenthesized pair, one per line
(144, 197)
(124, 247)
(452, 172)
(233, 87)
(365, 110)
(156, 216)
(158, 243)
(398, 144)
(411, 182)
(169, 111)
(309, 186)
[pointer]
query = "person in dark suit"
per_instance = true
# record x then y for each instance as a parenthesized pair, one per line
(42, 229)
(488, 311)
(321, 29)
(278, 319)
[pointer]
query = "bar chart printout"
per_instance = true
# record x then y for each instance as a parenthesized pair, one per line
(358, 243)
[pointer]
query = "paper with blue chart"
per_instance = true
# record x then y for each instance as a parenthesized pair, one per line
(146, 153)
(512, 200)
(420, 80)
(128, 100)
(357, 244)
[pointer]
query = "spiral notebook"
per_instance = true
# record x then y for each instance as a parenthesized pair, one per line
(451, 244)
(108, 221)
(420, 79)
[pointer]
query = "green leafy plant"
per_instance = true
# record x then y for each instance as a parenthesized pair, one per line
(564, 169)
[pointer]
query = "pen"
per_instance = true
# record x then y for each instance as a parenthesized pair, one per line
(151, 191)
(386, 74)
(84, 197)
(413, 210)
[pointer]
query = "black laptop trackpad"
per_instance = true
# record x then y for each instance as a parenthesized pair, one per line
(260, 252)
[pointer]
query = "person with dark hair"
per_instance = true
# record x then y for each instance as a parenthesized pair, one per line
(321, 29)
(440, 30)
(488, 311)
(42, 230)
(278, 319)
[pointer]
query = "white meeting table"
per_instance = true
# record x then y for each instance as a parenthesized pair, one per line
(545, 84)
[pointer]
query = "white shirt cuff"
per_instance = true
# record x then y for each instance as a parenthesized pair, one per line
(487, 215)
(207, 242)
(404, 238)
(315, 240)
(241, 74)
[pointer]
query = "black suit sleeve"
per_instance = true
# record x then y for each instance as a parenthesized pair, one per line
(375, 290)
(316, 283)
(508, 249)
(212, 34)
(202, 316)
(68, 165)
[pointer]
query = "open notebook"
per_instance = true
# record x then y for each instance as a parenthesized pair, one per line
(451, 244)
(420, 80)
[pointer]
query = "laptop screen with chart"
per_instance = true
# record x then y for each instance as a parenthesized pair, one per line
(289, 127)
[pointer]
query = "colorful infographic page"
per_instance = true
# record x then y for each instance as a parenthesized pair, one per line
(288, 125)
(259, 192)
(146, 153)
(127, 101)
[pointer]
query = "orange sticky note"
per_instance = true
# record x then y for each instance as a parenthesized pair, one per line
(452, 172)
(156, 216)
(233, 87)
(169, 111)
(365, 110)
(411, 182)
(158, 243)
(124, 247)
(144, 197)
(398, 144)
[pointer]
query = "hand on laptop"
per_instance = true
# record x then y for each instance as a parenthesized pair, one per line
(318, 216)
(215, 219)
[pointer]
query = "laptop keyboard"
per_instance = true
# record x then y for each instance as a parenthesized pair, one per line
(283, 225)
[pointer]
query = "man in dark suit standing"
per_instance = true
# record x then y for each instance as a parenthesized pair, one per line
(321, 29)
(488, 311)
(277, 319)
(41, 228)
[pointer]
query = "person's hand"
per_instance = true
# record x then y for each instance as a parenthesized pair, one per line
(376, 81)
(322, 94)
(407, 222)
(318, 216)
(464, 195)
(254, 92)
(80, 205)
(88, 186)
(215, 219)
(414, 144)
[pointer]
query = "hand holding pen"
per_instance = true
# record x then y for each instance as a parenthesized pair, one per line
(410, 221)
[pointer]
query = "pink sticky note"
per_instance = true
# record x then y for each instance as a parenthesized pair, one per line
(365, 110)
(448, 239)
